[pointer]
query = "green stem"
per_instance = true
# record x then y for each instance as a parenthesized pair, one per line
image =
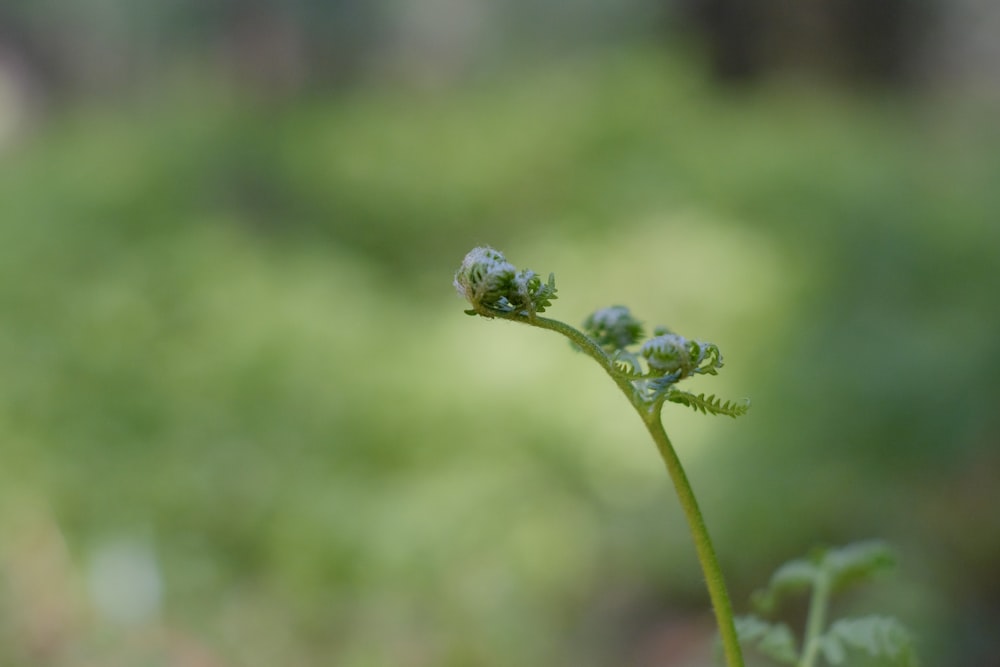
(650, 415)
(588, 346)
(702, 542)
(816, 620)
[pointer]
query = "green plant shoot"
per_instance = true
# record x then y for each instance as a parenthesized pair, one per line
(646, 372)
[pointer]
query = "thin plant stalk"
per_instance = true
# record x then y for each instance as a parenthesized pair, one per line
(816, 620)
(714, 580)
(651, 417)
(496, 289)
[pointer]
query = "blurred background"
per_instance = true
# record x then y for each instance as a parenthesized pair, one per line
(243, 420)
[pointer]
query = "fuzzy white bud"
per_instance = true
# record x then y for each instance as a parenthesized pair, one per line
(667, 352)
(493, 285)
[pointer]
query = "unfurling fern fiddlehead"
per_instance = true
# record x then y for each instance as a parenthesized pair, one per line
(647, 376)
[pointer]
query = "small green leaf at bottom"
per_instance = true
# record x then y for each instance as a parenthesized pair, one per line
(774, 640)
(882, 638)
(857, 562)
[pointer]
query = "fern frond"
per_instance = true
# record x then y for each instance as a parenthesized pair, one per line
(774, 640)
(627, 364)
(544, 294)
(882, 638)
(710, 405)
(706, 357)
(841, 567)
(856, 562)
(793, 577)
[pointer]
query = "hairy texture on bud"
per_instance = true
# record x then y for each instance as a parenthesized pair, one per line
(668, 353)
(493, 285)
(484, 277)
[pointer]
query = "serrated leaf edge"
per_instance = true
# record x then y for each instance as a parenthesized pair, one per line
(711, 404)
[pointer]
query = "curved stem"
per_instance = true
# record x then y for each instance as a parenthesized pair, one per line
(702, 542)
(584, 343)
(650, 415)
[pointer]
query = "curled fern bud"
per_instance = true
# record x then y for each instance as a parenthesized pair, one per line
(706, 357)
(671, 354)
(485, 278)
(613, 328)
(493, 285)
(667, 353)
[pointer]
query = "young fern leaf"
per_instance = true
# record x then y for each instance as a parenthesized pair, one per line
(840, 567)
(856, 562)
(882, 638)
(494, 286)
(710, 405)
(535, 294)
(774, 640)
(793, 577)
(627, 364)
(870, 640)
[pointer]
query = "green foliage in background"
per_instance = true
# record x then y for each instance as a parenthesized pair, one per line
(223, 331)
